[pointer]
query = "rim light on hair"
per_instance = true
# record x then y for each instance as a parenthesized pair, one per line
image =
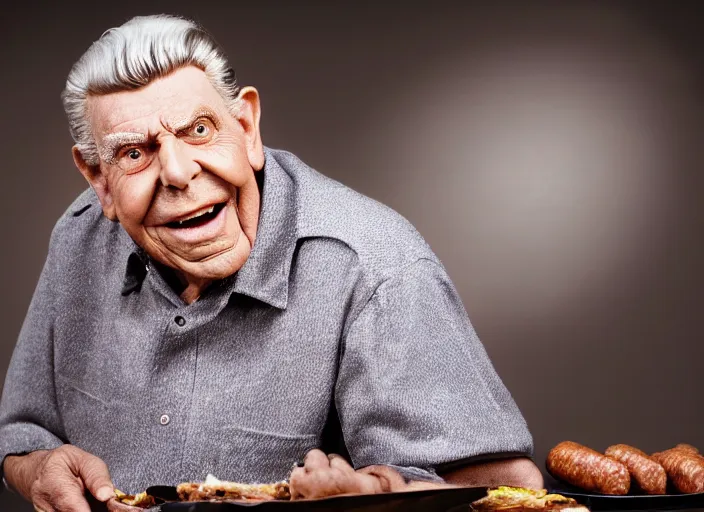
(135, 54)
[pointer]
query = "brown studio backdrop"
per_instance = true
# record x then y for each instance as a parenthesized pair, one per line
(548, 151)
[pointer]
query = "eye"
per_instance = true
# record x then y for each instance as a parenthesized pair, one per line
(132, 156)
(200, 132)
(201, 129)
(134, 159)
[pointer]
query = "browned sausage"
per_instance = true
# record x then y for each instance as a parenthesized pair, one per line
(687, 447)
(650, 475)
(588, 469)
(685, 469)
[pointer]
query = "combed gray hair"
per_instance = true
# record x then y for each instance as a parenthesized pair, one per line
(133, 55)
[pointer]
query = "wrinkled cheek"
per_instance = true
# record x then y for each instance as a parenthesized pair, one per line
(134, 198)
(247, 198)
(248, 201)
(230, 165)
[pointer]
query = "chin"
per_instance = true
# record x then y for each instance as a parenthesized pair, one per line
(217, 267)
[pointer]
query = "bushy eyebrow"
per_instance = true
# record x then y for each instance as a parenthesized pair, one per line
(112, 143)
(183, 124)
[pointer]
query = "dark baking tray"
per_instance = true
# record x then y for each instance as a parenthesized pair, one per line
(597, 502)
(452, 499)
(630, 502)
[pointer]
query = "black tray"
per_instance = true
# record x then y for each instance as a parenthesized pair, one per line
(445, 500)
(602, 502)
(597, 502)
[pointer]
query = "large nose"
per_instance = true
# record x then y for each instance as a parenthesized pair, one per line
(177, 169)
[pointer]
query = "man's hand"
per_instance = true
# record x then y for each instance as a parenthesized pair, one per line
(56, 480)
(330, 475)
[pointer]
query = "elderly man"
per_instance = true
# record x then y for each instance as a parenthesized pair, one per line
(210, 305)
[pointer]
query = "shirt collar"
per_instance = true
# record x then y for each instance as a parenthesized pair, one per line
(265, 274)
(137, 266)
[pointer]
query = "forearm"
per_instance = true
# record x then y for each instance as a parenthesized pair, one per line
(20, 471)
(18, 438)
(517, 472)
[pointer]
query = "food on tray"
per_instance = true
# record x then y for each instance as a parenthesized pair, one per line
(684, 468)
(141, 500)
(219, 490)
(578, 465)
(588, 469)
(213, 489)
(518, 499)
(687, 447)
(648, 474)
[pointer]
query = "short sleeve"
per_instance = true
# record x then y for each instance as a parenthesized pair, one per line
(416, 386)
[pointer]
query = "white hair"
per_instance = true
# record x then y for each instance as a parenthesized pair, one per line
(133, 55)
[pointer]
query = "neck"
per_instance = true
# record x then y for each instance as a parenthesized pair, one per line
(188, 288)
(193, 290)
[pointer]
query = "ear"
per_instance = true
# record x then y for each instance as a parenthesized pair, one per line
(248, 116)
(98, 181)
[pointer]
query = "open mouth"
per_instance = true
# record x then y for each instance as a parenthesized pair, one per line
(199, 218)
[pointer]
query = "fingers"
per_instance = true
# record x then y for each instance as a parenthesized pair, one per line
(116, 506)
(339, 463)
(389, 479)
(63, 477)
(305, 481)
(296, 483)
(315, 459)
(96, 477)
(329, 475)
(57, 489)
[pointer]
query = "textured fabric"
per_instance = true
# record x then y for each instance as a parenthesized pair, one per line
(341, 306)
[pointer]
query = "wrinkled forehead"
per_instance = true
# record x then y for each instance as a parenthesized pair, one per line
(168, 101)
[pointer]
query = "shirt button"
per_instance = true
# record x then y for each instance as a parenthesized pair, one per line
(180, 321)
(164, 420)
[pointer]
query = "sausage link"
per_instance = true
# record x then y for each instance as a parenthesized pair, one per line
(588, 469)
(687, 447)
(685, 469)
(649, 475)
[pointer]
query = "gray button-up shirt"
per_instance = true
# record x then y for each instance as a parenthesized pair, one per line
(342, 315)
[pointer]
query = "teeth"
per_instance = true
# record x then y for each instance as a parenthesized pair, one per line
(198, 214)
